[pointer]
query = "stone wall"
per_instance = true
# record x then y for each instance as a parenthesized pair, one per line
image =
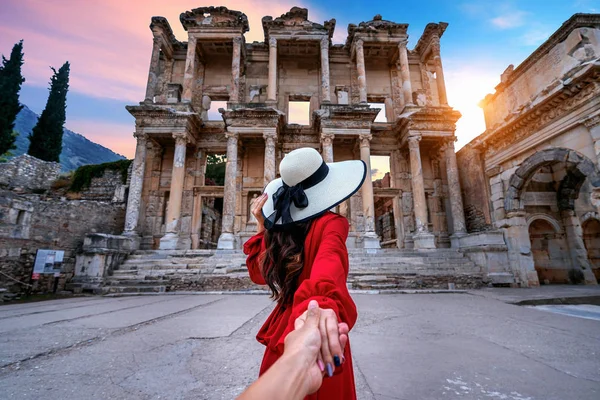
(108, 187)
(29, 222)
(474, 190)
(27, 173)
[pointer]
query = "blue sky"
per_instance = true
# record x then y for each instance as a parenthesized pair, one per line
(108, 44)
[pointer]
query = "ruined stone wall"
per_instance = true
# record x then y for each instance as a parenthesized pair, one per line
(473, 184)
(31, 222)
(27, 173)
(521, 86)
(108, 187)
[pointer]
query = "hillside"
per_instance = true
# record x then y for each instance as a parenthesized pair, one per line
(77, 150)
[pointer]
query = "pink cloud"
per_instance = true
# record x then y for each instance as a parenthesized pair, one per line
(107, 42)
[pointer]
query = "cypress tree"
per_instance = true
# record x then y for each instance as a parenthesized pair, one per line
(10, 86)
(45, 141)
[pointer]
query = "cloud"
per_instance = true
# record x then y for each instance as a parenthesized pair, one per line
(509, 20)
(107, 42)
(536, 36)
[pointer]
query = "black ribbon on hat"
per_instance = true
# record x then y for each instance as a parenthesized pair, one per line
(286, 195)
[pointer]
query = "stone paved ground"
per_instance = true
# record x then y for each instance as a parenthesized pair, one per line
(419, 346)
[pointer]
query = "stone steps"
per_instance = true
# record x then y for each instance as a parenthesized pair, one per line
(156, 271)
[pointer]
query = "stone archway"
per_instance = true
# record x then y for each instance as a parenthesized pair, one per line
(578, 168)
(581, 168)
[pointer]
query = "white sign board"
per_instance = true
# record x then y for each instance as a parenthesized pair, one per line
(47, 262)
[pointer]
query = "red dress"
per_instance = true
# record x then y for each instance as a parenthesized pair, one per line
(323, 279)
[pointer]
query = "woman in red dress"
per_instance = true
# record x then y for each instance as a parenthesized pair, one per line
(300, 252)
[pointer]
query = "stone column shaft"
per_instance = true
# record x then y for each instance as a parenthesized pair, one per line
(227, 240)
(135, 185)
(272, 87)
(370, 239)
(153, 72)
(327, 143)
(325, 70)
(169, 241)
(593, 125)
(405, 73)
(234, 96)
(189, 75)
(269, 156)
(422, 237)
(439, 72)
(456, 203)
(360, 68)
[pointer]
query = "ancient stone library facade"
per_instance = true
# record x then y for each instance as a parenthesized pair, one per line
(259, 85)
(519, 205)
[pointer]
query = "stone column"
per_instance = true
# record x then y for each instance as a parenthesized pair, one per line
(234, 95)
(371, 240)
(153, 73)
(423, 238)
(170, 240)
(272, 88)
(593, 125)
(227, 240)
(189, 75)
(135, 186)
(326, 95)
(439, 71)
(360, 68)
(456, 203)
(327, 143)
(269, 156)
(405, 73)
(579, 256)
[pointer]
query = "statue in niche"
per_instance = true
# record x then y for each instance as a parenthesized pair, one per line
(251, 217)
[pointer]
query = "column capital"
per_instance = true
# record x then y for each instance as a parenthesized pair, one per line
(181, 139)
(413, 141)
(237, 40)
(360, 42)
(365, 140)
(402, 44)
(232, 135)
(140, 136)
(272, 42)
(327, 138)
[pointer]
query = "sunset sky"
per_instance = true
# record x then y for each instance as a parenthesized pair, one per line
(108, 44)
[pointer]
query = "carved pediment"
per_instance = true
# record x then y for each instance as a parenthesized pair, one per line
(294, 20)
(211, 17)
(376, 25)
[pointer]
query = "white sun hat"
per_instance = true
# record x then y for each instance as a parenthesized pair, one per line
(308, 187)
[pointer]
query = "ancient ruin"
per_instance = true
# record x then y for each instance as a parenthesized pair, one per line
(258, 85)
(533, 174)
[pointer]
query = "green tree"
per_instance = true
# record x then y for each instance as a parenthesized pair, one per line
(215, 169)
(45, 141)
(10, 86)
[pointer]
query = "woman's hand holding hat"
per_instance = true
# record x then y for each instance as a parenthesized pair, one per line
(256, 209)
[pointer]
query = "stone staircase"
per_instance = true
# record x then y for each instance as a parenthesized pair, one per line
(156, 271)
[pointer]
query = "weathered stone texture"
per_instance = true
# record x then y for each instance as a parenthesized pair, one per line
(474, 190)
(48, 223)
(27, 173)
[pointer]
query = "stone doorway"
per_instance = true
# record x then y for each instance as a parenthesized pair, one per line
(385, 222)
(591, 239)
(550, 252)
(208, 228)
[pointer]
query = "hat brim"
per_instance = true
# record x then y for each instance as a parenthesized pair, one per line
(343, 180)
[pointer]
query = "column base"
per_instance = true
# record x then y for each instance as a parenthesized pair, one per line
(371, 241)
(424, 241)
(226, 241)
(169, 241)
(589, 277)
(455, 239)
(134, 238)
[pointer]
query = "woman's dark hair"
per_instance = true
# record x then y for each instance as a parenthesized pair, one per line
(283, 260)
